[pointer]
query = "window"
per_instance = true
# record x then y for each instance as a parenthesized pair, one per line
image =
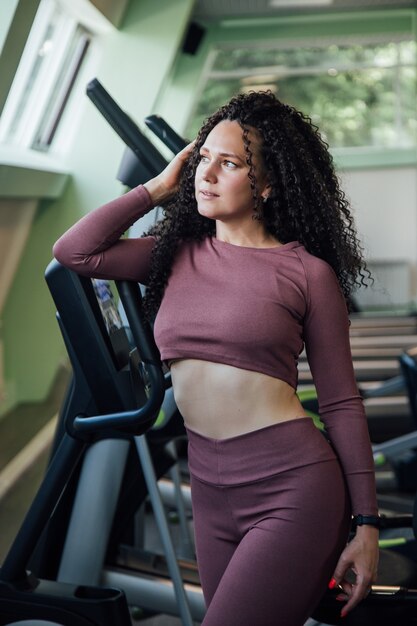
(52, 58)
(359, 94)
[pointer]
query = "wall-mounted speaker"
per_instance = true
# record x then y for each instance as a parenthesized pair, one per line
(193, 38)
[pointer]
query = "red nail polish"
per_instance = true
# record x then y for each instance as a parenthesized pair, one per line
(332, 583)
(343, 614)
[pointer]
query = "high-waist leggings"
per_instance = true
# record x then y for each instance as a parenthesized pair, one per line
(271, 518)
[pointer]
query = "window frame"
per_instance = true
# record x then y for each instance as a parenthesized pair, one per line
(29, 106)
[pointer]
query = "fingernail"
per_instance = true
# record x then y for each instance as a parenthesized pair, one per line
(332, 583)
(343, 613)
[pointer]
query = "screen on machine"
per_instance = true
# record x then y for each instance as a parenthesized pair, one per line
(116, 331)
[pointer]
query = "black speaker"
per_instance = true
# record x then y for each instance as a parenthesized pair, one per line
(193, 38)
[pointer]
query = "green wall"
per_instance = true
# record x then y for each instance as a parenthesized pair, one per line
(133, 64)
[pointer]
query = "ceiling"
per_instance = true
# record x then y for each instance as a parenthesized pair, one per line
(213, 10)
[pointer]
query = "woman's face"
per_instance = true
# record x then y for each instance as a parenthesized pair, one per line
(222, 185)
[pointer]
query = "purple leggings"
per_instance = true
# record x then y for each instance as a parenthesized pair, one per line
(271, 517)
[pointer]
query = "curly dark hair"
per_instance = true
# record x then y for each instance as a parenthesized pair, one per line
(305, 202)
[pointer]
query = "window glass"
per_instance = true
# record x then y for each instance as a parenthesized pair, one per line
(61, 90)
(43, 49)
(360, 95)
(50, 62)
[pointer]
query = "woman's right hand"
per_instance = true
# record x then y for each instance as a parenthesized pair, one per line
(165, 185)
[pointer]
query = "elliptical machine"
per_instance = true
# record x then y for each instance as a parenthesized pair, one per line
(111, 413)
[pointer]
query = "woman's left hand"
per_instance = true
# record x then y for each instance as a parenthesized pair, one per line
(163, 186)
(360, 556)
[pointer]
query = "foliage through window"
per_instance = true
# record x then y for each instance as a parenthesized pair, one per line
(358, 94)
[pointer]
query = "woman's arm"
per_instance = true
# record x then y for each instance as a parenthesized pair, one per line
(92, 247)
(340, 404)
(341, 409)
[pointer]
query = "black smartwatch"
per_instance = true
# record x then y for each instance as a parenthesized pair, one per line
(366, 520)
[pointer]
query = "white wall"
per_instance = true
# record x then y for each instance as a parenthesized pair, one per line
(385, 207)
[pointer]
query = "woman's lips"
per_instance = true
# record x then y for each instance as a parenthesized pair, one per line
(208, 194)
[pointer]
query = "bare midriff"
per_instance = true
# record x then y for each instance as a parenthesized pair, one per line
(222, 401)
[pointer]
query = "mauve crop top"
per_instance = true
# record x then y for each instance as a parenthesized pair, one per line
(252, 308)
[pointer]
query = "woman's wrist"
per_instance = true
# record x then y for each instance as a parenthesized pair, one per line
(157, 191)
(366, 531)
(361, 520)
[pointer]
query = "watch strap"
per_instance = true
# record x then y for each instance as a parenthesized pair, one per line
(366, 520)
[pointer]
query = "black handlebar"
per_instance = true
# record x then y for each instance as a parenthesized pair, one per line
(165, 133)
(125, 127)
(129, 420)
(126, 420)
(129, 292)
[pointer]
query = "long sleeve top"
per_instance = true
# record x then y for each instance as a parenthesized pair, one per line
(253, 308)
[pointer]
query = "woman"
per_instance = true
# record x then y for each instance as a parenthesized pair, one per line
(253, 260)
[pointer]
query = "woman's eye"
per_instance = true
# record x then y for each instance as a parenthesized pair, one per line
(203, 158)
(230, 164)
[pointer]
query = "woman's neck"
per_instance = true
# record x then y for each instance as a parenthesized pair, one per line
(252, 235)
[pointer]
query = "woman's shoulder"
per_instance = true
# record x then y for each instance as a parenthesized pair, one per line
(315, 267)
(322, 284)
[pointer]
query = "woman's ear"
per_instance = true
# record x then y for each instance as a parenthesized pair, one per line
(265, 192)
